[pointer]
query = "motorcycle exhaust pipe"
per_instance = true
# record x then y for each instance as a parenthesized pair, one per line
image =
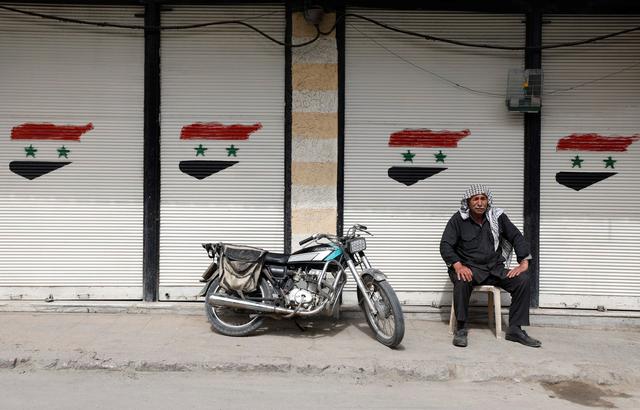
(223, 301)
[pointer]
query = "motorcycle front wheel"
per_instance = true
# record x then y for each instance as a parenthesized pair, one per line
(387, 322)
(232, 321)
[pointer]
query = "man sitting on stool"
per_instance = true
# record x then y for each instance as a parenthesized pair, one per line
(475, 245)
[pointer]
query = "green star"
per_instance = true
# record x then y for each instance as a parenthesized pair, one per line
(408, 156)
(577, 162)
(31, 151)
(609, 162)
(62, 151)
(232, 150)
(440, 157)
(200, 150)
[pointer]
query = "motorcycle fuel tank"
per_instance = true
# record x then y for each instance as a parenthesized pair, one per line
(317, 253)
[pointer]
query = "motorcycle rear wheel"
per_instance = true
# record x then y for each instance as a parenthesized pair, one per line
(388, 322)
(231, 321)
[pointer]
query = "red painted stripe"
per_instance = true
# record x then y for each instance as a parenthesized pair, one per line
(595, 142)
(425, 138)
(48, 131)
(218, 131)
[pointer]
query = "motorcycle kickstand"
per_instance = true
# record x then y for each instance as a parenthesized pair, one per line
(299, 325)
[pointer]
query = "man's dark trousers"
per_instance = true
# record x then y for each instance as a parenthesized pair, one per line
(518, 287)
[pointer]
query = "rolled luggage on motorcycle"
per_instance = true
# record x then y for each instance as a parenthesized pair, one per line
(245, 284)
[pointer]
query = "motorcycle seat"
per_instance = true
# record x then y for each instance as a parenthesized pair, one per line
(276, 258)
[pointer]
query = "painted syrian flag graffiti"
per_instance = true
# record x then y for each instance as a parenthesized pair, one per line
(592, 142)
(32, 168)
(201, 168)
(422, 138)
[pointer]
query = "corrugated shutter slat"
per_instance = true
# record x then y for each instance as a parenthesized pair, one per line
(589, 239)
(75, 232)
(231, 75)
(396, 82)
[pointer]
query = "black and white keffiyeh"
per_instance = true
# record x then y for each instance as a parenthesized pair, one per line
(493, 213)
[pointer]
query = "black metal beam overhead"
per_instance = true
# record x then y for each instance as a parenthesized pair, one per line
(493, 6)
(507, 6)
(75, 2)
(137, 2)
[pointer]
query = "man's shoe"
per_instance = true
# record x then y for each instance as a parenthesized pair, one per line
(460, 338)
(520, 336)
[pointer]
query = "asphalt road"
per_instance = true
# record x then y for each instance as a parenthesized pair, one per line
(72, 389)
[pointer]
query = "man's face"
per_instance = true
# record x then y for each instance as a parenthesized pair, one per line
(478, 204)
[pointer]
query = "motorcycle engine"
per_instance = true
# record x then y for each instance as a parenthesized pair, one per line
(304, 291)
(300, 297)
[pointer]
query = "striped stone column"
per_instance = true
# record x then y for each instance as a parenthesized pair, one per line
(314, 166)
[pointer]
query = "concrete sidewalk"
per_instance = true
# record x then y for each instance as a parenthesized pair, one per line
(185, 342)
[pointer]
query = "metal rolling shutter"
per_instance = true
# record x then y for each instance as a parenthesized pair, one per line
(230, 75)
(75, 232)
(589, 238)
(395, 82)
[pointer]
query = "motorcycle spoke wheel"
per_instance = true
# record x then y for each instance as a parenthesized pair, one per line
(387, 321)
(383, 319)
(231, 316)
(232, 321)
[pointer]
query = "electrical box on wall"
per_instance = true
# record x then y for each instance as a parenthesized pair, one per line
(524, 90)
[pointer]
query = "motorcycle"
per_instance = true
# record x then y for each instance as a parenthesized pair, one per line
(307, 283)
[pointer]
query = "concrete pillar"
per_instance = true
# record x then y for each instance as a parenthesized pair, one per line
(314, 130)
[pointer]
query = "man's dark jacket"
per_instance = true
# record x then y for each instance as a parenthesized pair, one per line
(472, 244)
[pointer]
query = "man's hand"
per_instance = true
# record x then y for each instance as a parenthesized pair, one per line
(463, 272)
(524, 265)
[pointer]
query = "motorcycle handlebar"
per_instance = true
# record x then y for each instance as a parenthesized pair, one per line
(318, 236)
(305, 240)
(351, 232)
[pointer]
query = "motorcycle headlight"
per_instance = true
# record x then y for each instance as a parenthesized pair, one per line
(357, 245)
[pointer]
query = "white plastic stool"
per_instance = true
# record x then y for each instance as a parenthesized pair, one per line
(494, 308)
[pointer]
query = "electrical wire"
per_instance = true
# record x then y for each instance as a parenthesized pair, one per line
(71, 20)
(604, 77)
(441, 77)
(161, 28)
(476, 91)
(319, 32)
(241, 23)
(370, 20)
(477, 45)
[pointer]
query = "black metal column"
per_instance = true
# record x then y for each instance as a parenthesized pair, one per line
(288, 107)
(340, 43)
(151, 245)
(532, 137)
